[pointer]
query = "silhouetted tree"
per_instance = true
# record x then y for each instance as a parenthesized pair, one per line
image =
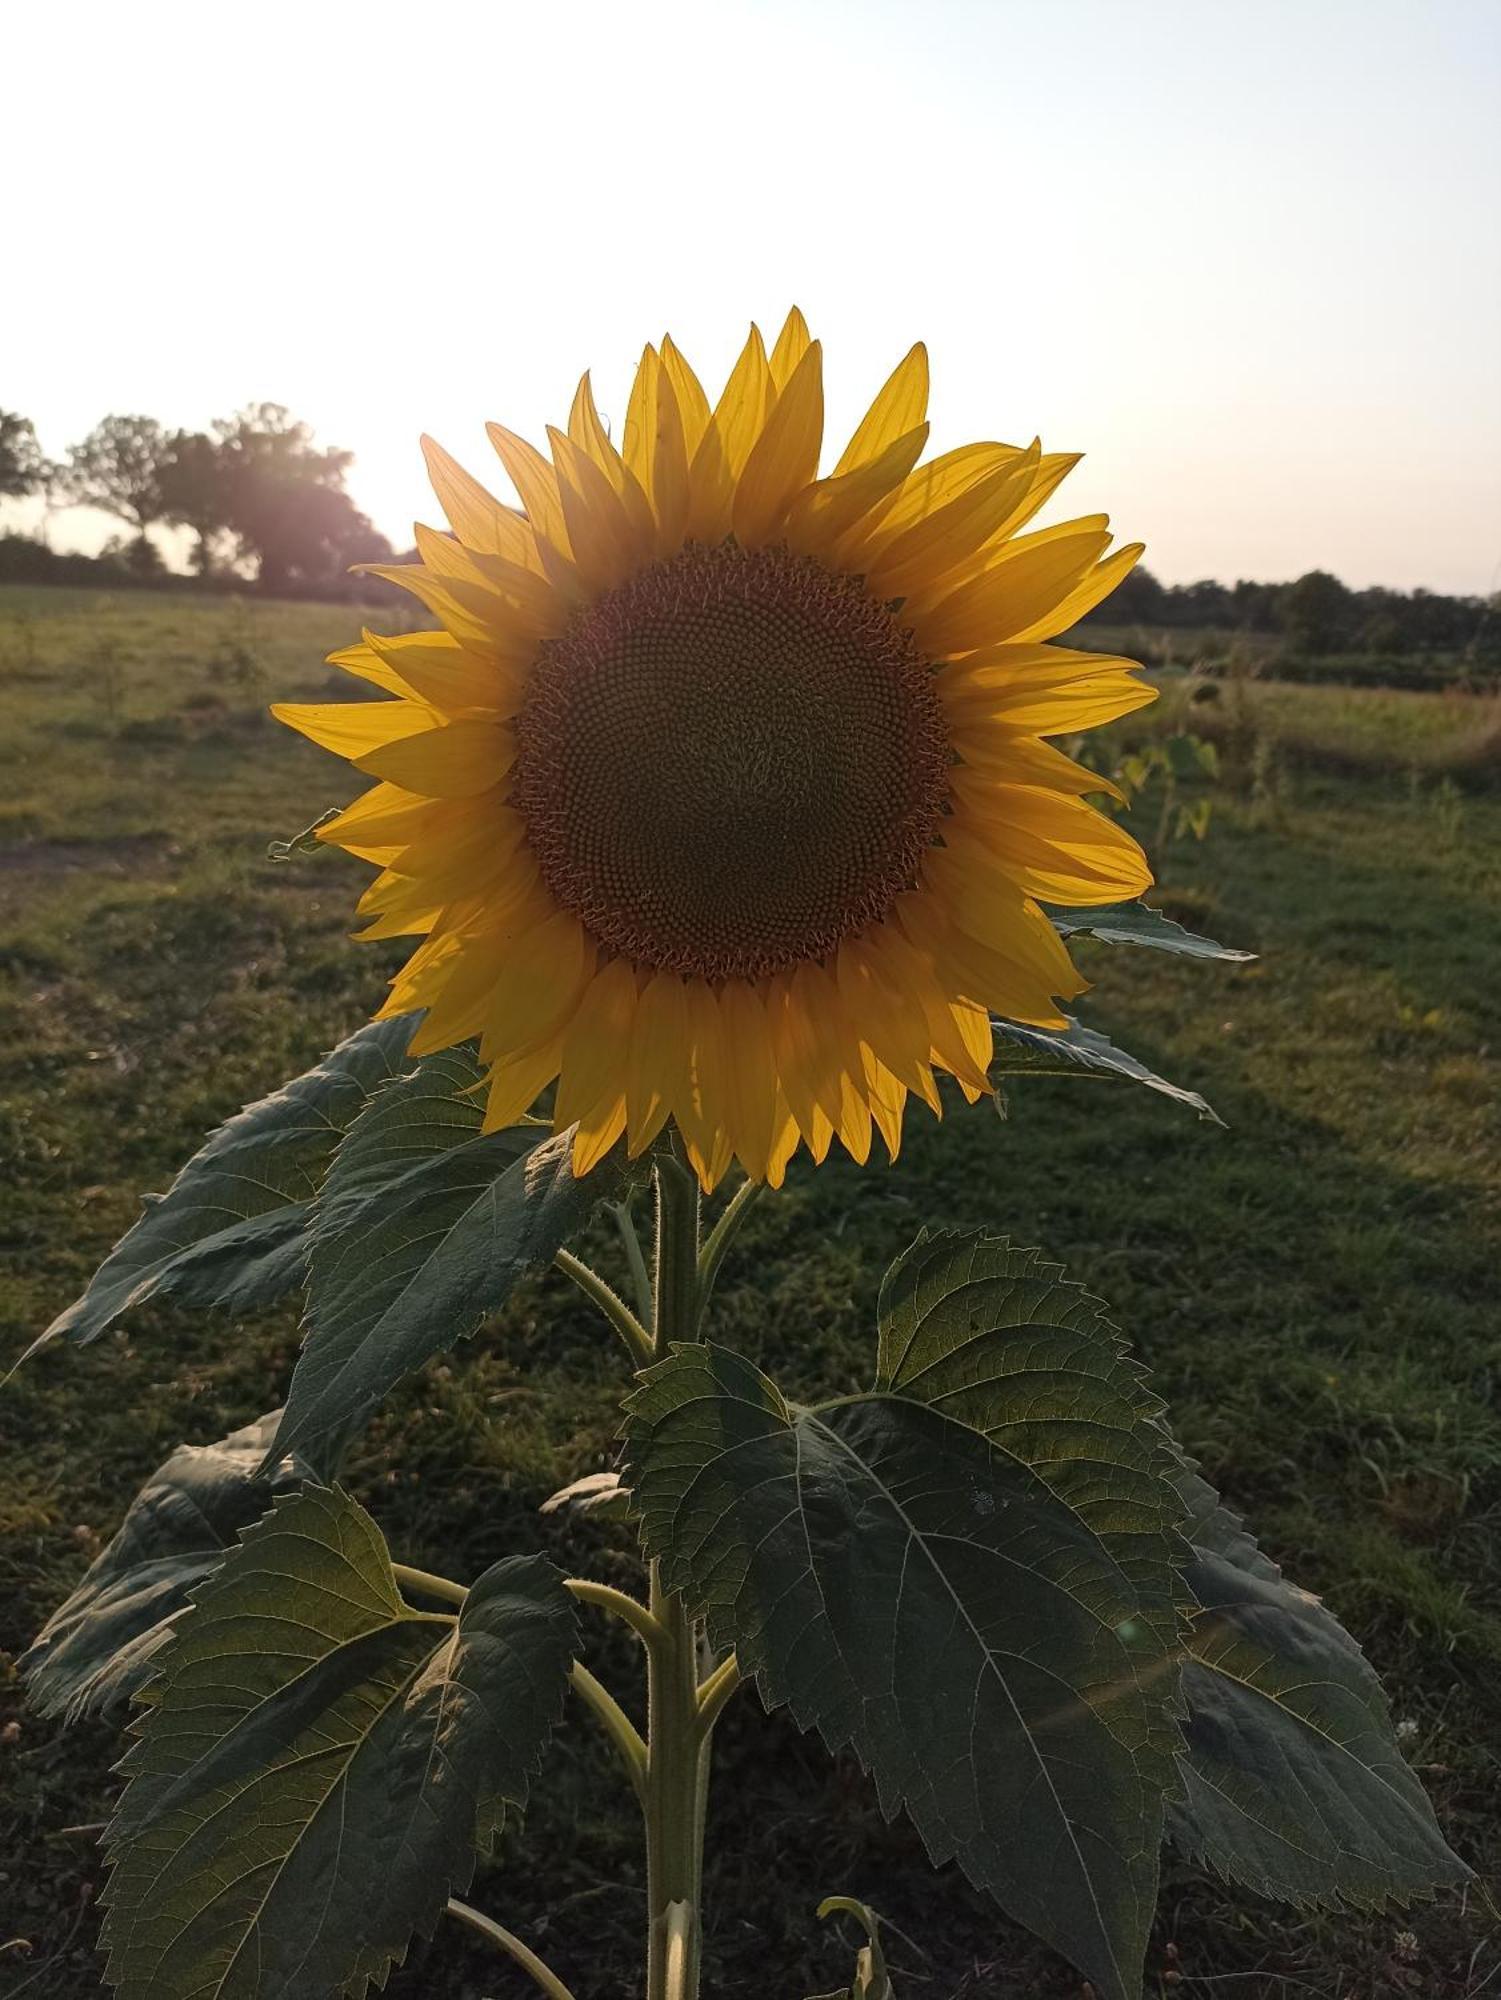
(286, 502)
(118, 467)
(1315, 613)
(195, 492)
(23, 469)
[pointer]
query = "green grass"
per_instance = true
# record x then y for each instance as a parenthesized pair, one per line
(1315, 1289)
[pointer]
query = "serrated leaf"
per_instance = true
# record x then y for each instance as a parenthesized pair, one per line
(1022, 1050)
(916, 1588)
(229, 1230)
(1294, 1784)
(321, 1763)
(101, 1646)
(1135, 923)
(423, 1226)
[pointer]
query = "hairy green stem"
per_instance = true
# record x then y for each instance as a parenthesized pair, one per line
(616, 1724)
(714, 1691)
(605, 1597)
(525, 1957)
(677, 1751)
(423, 1583)
(611, 1304)
(722, 1235)
(635, 1257)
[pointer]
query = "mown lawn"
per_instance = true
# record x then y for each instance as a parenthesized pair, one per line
(1315, 1288)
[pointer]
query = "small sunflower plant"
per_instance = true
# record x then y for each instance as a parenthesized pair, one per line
(720, 816)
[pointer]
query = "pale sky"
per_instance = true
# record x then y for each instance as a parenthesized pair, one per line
(1247, 257)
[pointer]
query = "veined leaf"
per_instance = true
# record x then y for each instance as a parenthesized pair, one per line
(1135, 923)
(423, 1226)
(1021, 1050)
(100, 1647)
(994, 1637)
(319, 1763)
(229, 1231)
(1294, 1782)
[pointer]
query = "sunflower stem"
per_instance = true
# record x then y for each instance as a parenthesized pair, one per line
(721, 1236)
(541, 1975)
(637, 1340)
(677, 1746)
(635, 1257)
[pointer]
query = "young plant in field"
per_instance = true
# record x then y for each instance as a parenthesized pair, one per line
(723, 811)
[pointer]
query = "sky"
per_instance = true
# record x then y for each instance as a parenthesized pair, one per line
(1245, 257)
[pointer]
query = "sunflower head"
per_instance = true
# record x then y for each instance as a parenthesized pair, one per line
(723, 794)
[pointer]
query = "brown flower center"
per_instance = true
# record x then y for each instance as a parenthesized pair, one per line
(730, 763)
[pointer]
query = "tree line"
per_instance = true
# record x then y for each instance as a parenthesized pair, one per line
(1317, 616)
(259, 496)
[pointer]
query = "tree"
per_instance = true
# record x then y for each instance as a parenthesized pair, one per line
(118, 467)
(285, 500)
(23, 469)
(195, 491)
(1315, 612)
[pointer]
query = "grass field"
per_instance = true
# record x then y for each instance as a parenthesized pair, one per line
(1315, 1287)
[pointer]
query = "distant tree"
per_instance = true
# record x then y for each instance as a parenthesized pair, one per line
(118, 467)
(286, 503)
(195, 490)
(1139, 600)
(1315, 613)
(23, 469)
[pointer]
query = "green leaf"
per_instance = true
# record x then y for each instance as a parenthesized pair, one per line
(229, 1231)
(319, 1763)
(423, 1226)
(1294, 1782)
(947, 1576)
(1135, 923)
(100, 1647)
(1022, 1050)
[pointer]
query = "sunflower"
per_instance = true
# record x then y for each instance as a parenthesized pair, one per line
(723, 793)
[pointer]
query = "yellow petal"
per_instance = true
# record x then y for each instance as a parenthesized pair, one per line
(693, 404)
(1055, 848)
(352, 728)
(546, 970)
(515, 1085)
(451, 762)
(477, 517)
(792, 344)
(887, 1019)
(597, 1133)
(608, 543)
(468, 612)
(902, 406)
(940, 541)
(750, 1075)
(524, 602)
(656, 1068)
(887, 1100)
(596, 1042)
(785, 457)
(587, 431)
(536, 484)
(828, 511)
(702, 1112)
(1087, 593)
(440, 672)
(1015, 596)
(783, 1145)
(727, 442)
(1039, 690)
(656, 449)
(999, 756)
